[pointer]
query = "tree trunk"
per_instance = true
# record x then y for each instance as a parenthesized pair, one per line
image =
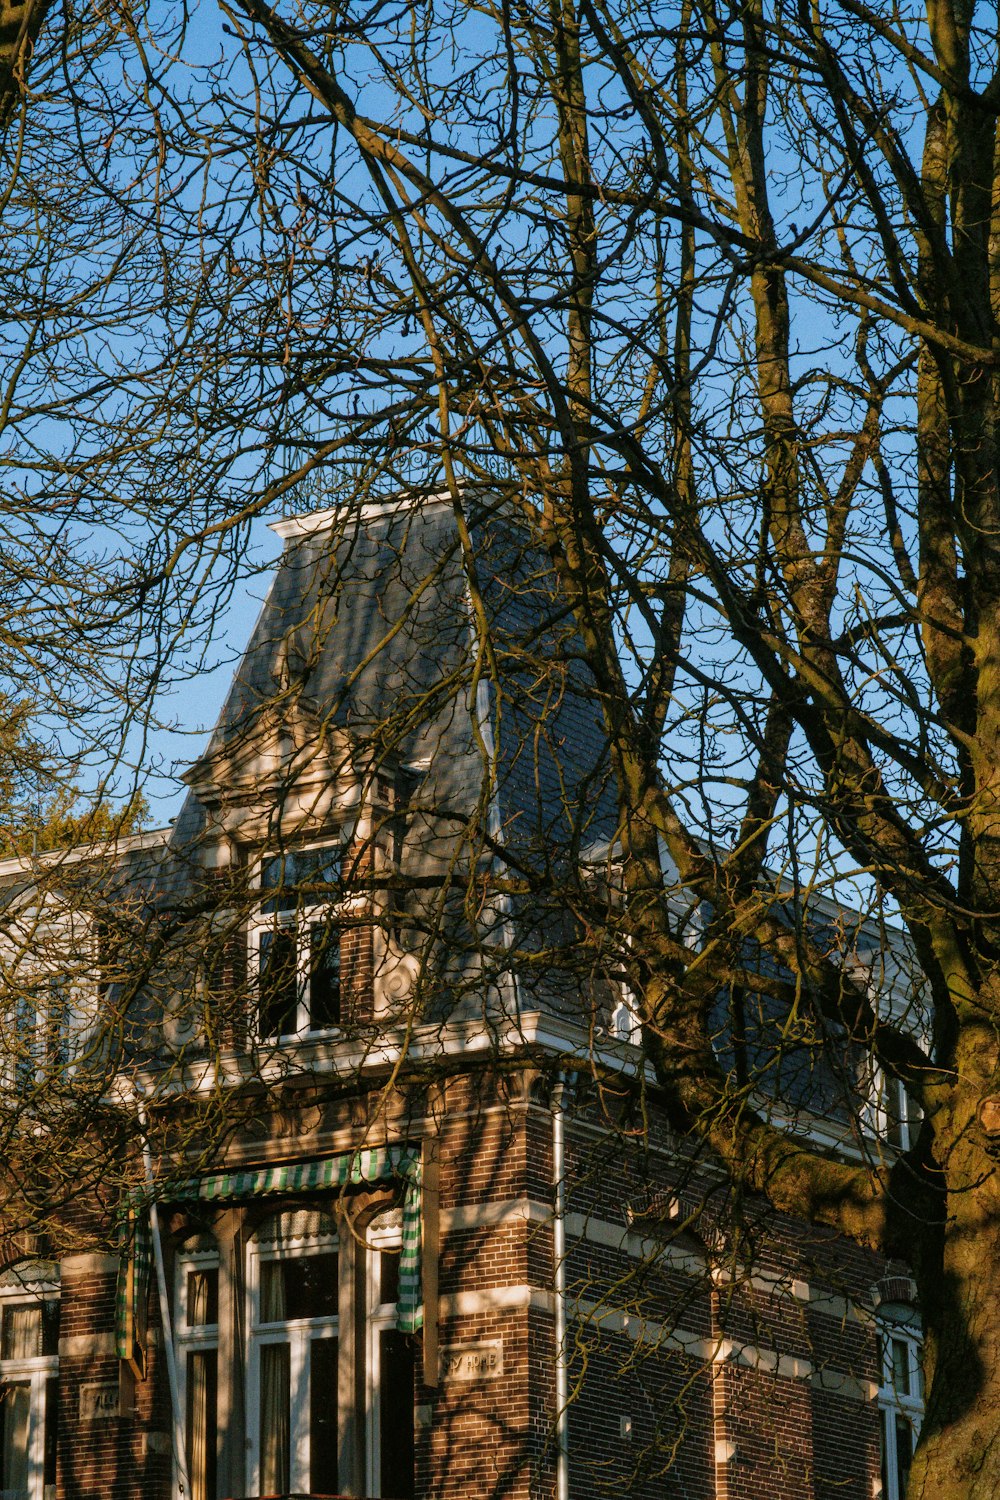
(958, 1456)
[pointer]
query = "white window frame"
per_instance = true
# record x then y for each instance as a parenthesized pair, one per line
(299, 1334)
(893, 1403)
(379, 1316)
(625, 1024)
(46, 949)
(301, 919)
(35, 1372)
(188, 1340)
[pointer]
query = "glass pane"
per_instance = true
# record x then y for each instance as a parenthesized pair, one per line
(202, 1431)
(22, 1332)
(15, 1410)
(50, 1327)
(275, 1418)
(884, 1433)
(203, 1297)
(279, 986)
(901, 1367)
(396, 1414)
(318, 870)
(388, 1277)
(25, 1043)
(904, 1453)
(304, 1286)
(300, 877)
(277, 876)
(895, 1110)
(57, 1019)
(323, 1417)
(51, 1443)
(324, 975)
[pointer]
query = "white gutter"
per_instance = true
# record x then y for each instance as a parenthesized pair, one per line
(180, 1457)
(559, 1285)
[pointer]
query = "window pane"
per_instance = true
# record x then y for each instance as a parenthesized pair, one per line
(323, 1417)
(275, 1418)
(300, 877)
(324, 975)
(388, 1277)
(884, 1433)
(901, 1367)
(203, 1297)
(277, 877)
(278, 982)
(25, 1043)
(396, 1414)
(50, 1327)
(904, 1453)
(202, 1374)
(304, 1286)
(22, 1332)
(57, 1019)
(51, 1431)
(319, 871)
(15, 1409)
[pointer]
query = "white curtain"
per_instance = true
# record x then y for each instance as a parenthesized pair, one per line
(200, 1426)
(16, 1414)
(198, 1298)
(273, 1302)
(22, 1332)
(275, 1393)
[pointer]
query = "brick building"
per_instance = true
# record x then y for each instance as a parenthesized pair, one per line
(424, 1231)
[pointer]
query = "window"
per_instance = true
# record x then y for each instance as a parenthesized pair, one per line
(45, 1032)
(625, 1025)
(295, 942)
(390, 1362)
(29, 1342)
(293, 1290)
(900, 1401)
(294, 1336)
(891, 1114)
(197, 1340)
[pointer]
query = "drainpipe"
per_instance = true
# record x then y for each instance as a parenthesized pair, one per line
(558, 1105)
(180, 1457)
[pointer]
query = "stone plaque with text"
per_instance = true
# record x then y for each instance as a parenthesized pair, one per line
(98, 1402)
(482, 1361)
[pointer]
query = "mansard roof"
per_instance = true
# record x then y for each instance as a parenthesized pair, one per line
(369, 645)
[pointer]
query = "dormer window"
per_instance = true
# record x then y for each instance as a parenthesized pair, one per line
(295, 942)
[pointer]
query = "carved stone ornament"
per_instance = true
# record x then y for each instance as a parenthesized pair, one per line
(396, 976)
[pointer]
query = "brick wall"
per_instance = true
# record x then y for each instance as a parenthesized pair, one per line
(702, 1365)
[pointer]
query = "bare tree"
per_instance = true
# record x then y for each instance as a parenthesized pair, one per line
(712, 297)
(709, 299)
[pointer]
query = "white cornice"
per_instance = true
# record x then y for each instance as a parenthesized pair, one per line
(28, 864)
(324, 520)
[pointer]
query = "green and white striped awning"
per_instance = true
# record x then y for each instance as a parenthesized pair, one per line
(382, 1164)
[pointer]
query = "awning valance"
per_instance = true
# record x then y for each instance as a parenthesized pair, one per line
(375, 1165)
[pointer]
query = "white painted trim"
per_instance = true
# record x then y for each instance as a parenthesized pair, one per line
(187, 1340)
(378, 1317)
(299, 1334)
(34, 1371)
(487, 1215)
(28, 864)
(495, 1299)
(324, 520)
(717, 1351)
(428, 1042)
(88, 1263)
(87, 1345)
